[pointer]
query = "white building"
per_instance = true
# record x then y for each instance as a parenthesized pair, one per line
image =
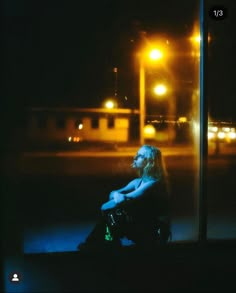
(79, 124)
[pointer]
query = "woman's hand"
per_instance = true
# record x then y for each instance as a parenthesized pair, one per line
(114, 199)
(108, 205)
(118, 197)
(111, 195)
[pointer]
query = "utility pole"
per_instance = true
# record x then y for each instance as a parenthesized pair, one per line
(115, 70)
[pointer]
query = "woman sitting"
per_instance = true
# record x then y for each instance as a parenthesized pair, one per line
(140, 210)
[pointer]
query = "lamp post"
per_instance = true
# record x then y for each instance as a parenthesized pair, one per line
(154, 54)
(142, 109)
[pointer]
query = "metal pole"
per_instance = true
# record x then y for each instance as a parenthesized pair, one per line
(115, 70)
(141, 101)
(202, 200)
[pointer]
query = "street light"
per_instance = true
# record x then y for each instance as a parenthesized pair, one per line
(154, 54)
(110, 104)
(160, 89)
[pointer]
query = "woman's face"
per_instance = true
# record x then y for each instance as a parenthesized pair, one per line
(140, 160)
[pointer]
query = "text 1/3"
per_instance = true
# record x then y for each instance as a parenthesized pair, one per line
(218, 12)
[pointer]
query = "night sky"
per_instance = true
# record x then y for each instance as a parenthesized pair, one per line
(62, 53)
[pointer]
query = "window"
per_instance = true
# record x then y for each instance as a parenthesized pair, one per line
(60, 123)
(95, 123)
(111, 122)
(41, 122)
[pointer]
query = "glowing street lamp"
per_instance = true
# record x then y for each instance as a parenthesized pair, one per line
(109, 104)
(196, 39)
(153, 55)
(160, 89)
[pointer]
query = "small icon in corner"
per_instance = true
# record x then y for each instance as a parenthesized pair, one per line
(15, 278)
(218, 12)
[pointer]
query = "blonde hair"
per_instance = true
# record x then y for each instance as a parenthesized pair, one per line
(155, 166)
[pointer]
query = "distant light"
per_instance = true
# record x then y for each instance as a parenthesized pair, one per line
(149, 131)
(226, 129)
(232, 135)
(209, 38)
(197, 39)
(211, 135)
(156, 54)
(196, 127)
(160, 89)
(221, 135)
(109, 104)
(214, 128)
(182, 119)
(80, 126)
(69, 138)
(76, 139)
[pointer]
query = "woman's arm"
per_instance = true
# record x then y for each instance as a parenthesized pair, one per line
(140, 191)
(111, 204)
(128, 188)
(121, 199)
